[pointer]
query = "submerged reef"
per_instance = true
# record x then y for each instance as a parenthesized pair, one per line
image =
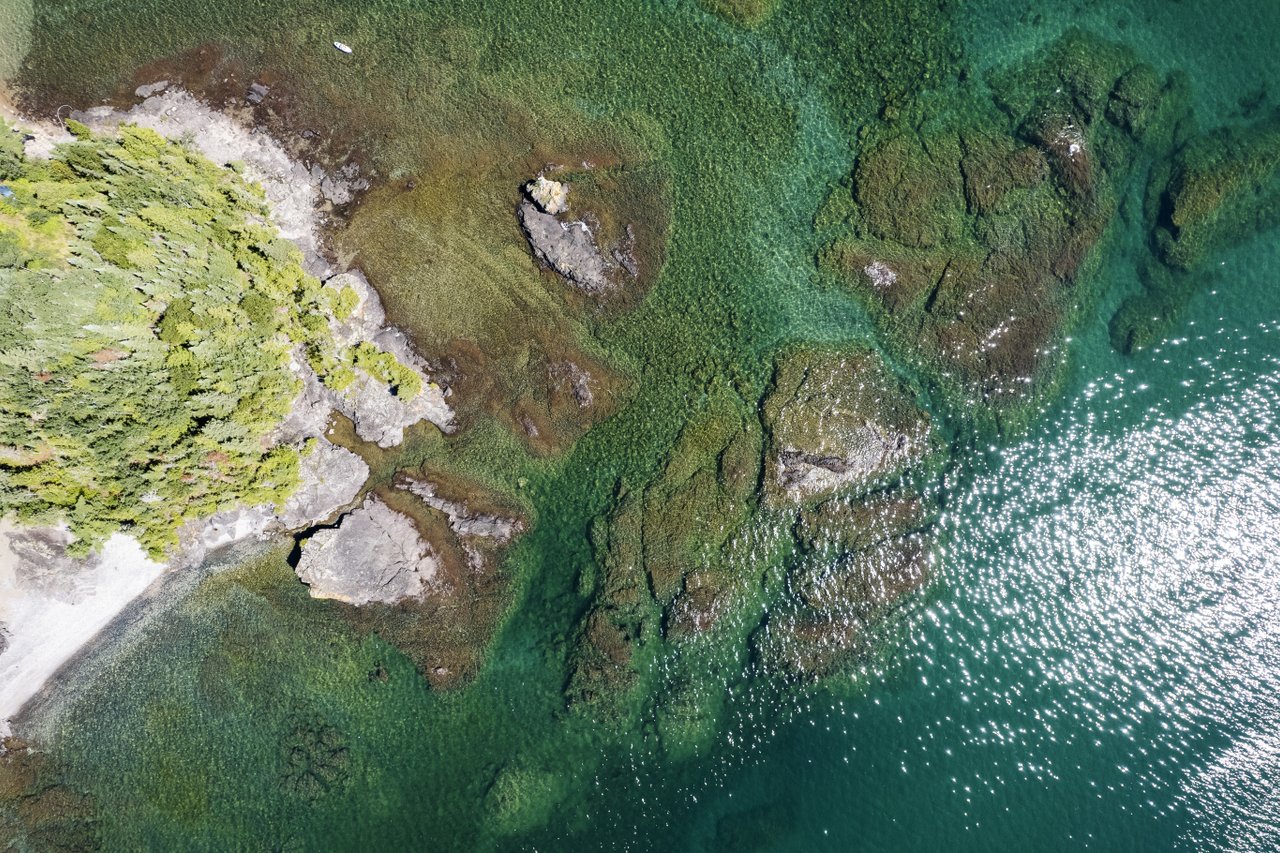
(1220, 189)
(967, 232)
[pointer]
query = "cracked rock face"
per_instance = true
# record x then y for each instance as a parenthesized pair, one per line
(374, 554)
(329, 478)
(839, 422)
(569, 248)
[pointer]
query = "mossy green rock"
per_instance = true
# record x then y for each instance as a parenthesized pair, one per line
(1224, 188)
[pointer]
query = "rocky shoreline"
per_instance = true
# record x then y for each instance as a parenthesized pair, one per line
(53, 606)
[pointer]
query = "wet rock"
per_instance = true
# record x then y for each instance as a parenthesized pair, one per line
(374, 555)
(148, 89)
(838, 421)
(569, 248)
(464, 521)
(256, 93)
(330, 477)
(467, 529)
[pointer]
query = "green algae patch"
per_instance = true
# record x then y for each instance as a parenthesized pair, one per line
(745, 12)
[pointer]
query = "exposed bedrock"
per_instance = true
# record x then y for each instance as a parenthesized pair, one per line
(374, 554)
(419, 564)
(585, 226)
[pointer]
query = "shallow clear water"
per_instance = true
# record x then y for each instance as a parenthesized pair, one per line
(1096, 664)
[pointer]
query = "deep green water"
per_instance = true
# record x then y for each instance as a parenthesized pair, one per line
(1097, 664)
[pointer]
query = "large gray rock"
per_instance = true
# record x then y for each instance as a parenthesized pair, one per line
(375, 554)
(569, 248)
(329, 478)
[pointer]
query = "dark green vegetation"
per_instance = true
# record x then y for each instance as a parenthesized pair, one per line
(149, 313)
(659, 582)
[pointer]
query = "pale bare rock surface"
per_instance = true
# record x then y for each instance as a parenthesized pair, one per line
(51, 605)
(294, 193)
(330, 478)
(569, 248)
(379, 415)
(374, 554)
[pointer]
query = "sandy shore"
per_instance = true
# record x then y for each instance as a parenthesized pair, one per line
(49, 618)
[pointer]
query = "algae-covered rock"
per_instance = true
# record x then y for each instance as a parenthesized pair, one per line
(1224, 188)
(666, 566)
(1220, 189)
(838, 421)
(911, 191)
(972, 228)
(523, 797)
(744, 12)
(314, 759)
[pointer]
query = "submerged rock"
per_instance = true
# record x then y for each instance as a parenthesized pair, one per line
(374, 555)
(968, 233)
(838, 421)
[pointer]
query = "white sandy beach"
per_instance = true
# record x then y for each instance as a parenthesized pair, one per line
(47, 620)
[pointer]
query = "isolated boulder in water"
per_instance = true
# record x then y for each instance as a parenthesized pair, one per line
(569, 248)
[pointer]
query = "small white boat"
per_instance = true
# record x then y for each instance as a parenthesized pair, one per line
(345, 48)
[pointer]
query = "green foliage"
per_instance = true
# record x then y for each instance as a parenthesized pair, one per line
(384, 367)
(147, 324)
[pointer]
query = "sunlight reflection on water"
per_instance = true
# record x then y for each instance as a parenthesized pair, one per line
(1121, 585)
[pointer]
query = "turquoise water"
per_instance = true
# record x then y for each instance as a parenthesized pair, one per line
(1095, 664)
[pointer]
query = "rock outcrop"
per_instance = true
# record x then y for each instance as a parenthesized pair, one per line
(374, 555)
(381, 414)
(330, 477)
(569, 248)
